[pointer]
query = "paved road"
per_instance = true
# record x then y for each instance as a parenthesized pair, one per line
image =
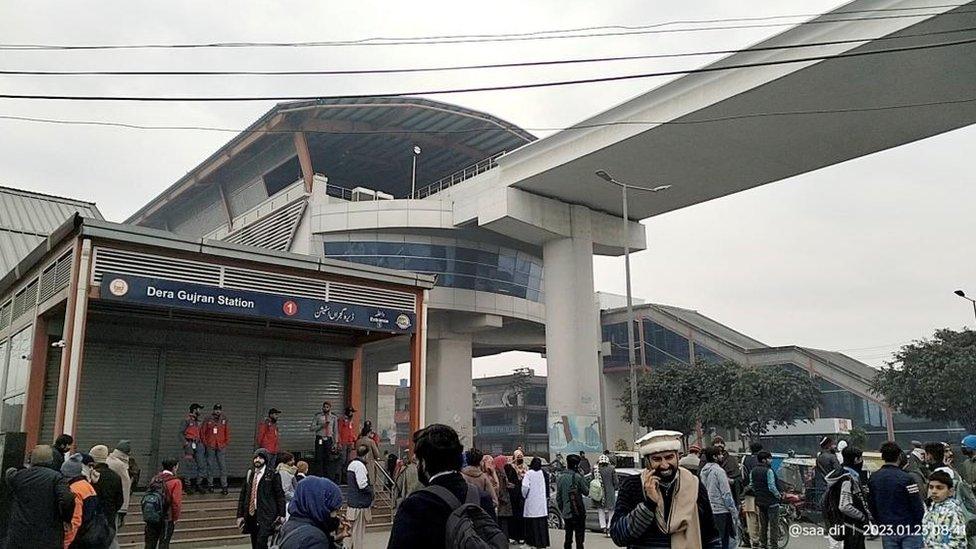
(378, 540)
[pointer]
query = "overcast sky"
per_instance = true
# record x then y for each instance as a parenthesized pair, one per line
(860, 257)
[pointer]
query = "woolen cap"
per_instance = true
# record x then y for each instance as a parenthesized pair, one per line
(124, 446)
(99, 453)
(659, 441)
(71, 467)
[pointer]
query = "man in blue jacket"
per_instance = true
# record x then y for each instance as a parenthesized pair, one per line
(895, 502)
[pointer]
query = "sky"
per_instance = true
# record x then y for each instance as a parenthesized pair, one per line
(859, 257)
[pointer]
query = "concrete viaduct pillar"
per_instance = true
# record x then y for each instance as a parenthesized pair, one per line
(572, 328)
(449, 383)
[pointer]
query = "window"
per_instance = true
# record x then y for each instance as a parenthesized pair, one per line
(616, 336)
(536, 423)
(15, 380)
(708, 356)
(506, 272)
(282, 176)
(535, 396)
(662, 346)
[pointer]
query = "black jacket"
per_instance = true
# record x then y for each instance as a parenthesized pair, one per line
(633, 524)
(894, 498)
(270, 497)
(40, 504)
(306, 536)
(109, 490)
(421, 520)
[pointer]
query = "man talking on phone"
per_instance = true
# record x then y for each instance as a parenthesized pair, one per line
(664, 506)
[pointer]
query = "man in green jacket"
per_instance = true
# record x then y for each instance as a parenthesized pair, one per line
(573, 512)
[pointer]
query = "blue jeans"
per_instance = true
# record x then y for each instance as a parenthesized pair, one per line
(216, 466)
(901, 542)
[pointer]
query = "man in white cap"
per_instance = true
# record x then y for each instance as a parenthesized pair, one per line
(664, 506)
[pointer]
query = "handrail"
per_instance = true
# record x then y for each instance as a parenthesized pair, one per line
(459, 176)
(394, 489)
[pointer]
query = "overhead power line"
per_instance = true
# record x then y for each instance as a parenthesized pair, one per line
(131, 126)
(466, 67)
(557, 34)
(508, 87)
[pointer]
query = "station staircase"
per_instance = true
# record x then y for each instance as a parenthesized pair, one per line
(210, 520)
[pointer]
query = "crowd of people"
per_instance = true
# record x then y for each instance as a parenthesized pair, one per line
(448, 496)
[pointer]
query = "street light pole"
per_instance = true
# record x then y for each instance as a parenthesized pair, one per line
(631, 345)
(963, 295)
(413, 173)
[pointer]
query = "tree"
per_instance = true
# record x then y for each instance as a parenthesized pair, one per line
(857, 437)
(764, 397)
(933, 378)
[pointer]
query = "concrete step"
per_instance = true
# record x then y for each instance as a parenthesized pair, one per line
(193, 532)
(213, 541)
(188, 521)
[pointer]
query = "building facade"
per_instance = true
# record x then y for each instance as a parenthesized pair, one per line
(510, 411)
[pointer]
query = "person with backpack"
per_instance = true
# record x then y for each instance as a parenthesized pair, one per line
(40, 503)
(313, 517)
(161, 505)
(261, 504)
(845, 507)
(609, 483)
(216, 438)
(716, 481)
(88, 528)
(448, 510)
(570, 489)
(108, 486)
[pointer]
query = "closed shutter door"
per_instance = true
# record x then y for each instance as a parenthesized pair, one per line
(298, 386)
(52, 373)
(208, 378)
(117, 401)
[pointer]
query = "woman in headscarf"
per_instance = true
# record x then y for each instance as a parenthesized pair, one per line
(518, 461)
(504, 511)
(314, 521)
(516, 524)
(488, 468)
(536, 493)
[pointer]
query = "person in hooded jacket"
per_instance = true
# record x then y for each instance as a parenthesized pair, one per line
(108, 486)
(852, 503)
(314, 521)
(40, 503)
(78, 472)
(474, 476)
(118, 461)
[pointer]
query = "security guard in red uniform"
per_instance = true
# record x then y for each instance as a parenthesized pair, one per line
(216, 437)
(194, 454)
(267, 436)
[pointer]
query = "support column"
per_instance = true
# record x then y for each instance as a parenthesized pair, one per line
(371, 388)
(356, 386)
(34, 400)
(448, 394)
(572, 334)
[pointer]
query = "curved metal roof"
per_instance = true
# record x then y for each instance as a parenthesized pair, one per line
(363, 142)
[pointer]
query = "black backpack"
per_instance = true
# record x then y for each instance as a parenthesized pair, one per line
(468, 525)
(154, 503)
(576, 499)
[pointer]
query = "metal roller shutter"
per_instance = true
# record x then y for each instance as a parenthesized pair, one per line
(298, 386)
(208, 378)
(52, 373)
(117, 400)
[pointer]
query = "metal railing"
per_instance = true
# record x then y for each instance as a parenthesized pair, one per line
(459, 176)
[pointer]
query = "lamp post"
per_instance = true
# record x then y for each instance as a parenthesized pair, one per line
(962, 294)
(413, 173)
(631, 352)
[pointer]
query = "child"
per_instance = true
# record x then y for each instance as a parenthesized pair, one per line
(943, 525)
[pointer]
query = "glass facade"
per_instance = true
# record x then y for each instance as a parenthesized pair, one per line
(506, 272)
(662, 346)
(708, 356)
(616, 336)
(15, 379)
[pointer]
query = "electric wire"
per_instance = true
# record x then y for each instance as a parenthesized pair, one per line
(583, 32)
(521, 64)
(509, 87)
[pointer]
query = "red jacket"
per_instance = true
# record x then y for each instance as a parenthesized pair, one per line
(347, 431)
(174, 494)
(268, 436)
(216, 433)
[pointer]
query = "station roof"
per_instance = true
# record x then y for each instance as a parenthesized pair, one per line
(368, 141)
(28, 218)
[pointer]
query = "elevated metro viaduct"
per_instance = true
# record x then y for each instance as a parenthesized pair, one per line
(510, 224)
